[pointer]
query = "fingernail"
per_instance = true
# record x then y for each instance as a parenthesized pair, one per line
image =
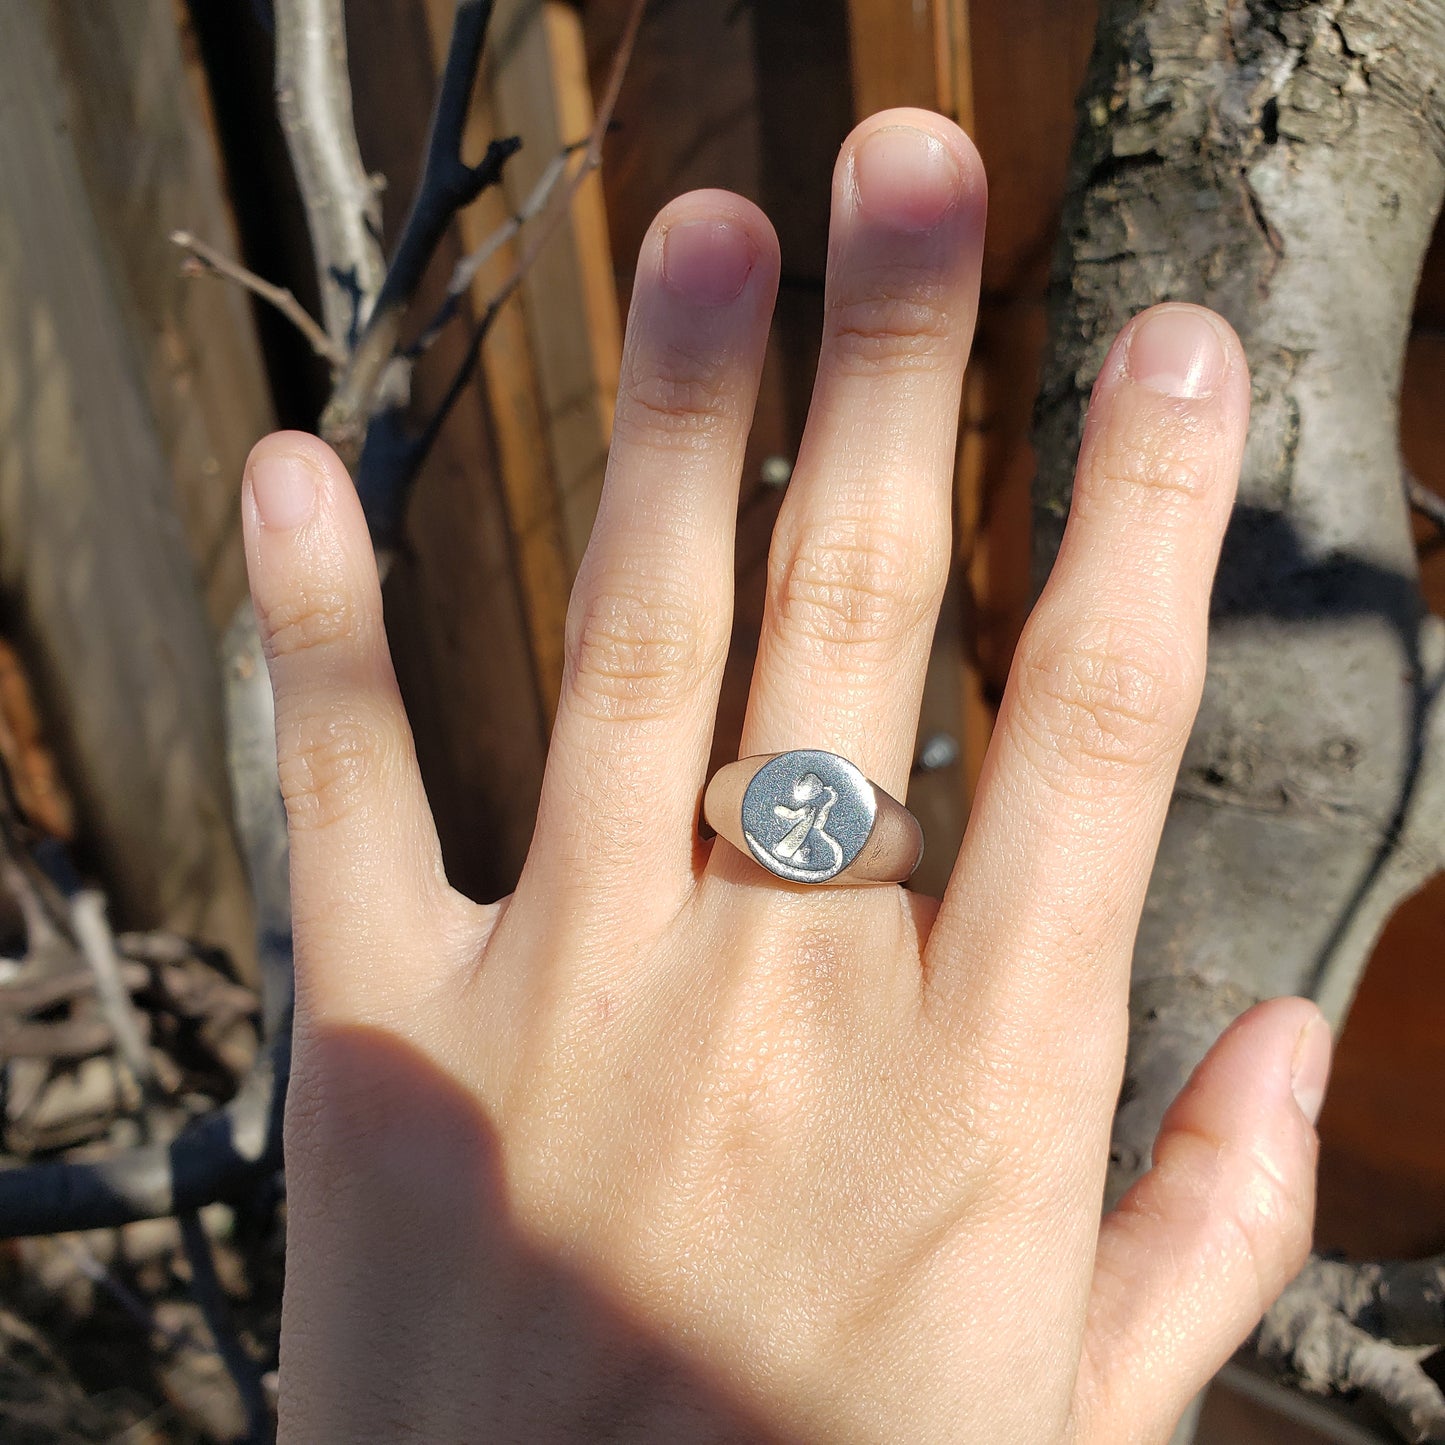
(284, 488)
(1310, 1071)
(707, 261)
(906, 178)
(1178, 351)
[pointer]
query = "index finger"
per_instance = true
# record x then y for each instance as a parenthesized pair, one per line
(1035, 936)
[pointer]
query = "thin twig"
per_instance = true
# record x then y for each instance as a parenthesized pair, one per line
(465, 271)
(206, 1289)
(85, 1261)
(1430, 504)
(97, 943)
(546, 228)
(206, 258)
(447, 184)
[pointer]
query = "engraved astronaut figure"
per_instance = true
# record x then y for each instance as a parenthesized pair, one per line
(810, 817)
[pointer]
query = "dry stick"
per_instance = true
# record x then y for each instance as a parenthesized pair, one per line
(447, 184)
(547, 227)
(208, 1293)
(465, 271)
(1430, 504)
(207, 259)
(97, 943)
(343, 209)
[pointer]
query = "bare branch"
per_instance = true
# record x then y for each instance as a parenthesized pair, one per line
(546, 228)
(97, 943)
(216, 1310)
(447, 184)
(227, 1154)
(207, 259)
(343, 212)
(1430, 504)
(1341, 1328)
(465, 271)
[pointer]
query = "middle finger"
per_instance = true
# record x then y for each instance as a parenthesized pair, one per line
(861, 549)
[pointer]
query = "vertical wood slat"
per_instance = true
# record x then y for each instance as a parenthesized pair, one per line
(535, 73)
(921, 56)
(139, 111)
(551, 360)
(712, 99)
(455, 607)
(100, 382)
(1029, 58)
(517, 407)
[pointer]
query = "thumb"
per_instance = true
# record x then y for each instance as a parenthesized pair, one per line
(1203, 1244)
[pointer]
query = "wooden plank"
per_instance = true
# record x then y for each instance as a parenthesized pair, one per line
(921, 56)
(93, 556)
(535, 75)
(712, 99)
(915, 54)
(456, 614)
(518, 410)
(137, 106)
(1028, 61)
(895, 54)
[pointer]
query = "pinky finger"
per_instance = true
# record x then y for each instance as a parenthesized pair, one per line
(1204, 1243)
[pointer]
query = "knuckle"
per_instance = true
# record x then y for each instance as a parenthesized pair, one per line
(1274, 1215)
(307, 621)
(631, 659)
(328, 761)
(857, 585)
(1114, 697)
(678, 401)
(899, 323)
(1155, 463)
(1266, 1208)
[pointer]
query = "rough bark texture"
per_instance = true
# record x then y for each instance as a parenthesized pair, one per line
(1364, 1328)
(1282, 161)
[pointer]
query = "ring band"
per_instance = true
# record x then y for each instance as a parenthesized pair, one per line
(812, 817)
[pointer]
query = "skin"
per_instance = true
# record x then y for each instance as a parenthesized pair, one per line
(661, 1148)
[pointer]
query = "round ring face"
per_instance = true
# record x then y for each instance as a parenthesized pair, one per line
(807, 815)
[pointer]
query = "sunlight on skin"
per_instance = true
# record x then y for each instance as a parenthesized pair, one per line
(648, 1152)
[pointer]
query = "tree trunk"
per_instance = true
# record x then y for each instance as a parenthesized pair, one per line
(1282, 161)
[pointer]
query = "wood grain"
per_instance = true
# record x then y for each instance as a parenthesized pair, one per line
(138, 111)
(101, 388)
(456, 615)
(535, 73)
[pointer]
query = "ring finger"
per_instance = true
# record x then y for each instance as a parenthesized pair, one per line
(861, 549)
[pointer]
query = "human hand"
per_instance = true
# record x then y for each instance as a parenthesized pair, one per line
(663, 1148)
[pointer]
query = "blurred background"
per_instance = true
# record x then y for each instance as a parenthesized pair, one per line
(131, 390)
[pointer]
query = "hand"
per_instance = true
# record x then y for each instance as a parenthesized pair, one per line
(662, 1148)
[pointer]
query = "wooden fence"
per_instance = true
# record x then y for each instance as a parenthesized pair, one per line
(128, 396)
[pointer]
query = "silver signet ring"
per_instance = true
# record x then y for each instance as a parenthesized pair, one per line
(812, 817)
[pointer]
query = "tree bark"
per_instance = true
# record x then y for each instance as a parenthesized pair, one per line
(1282, 161)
